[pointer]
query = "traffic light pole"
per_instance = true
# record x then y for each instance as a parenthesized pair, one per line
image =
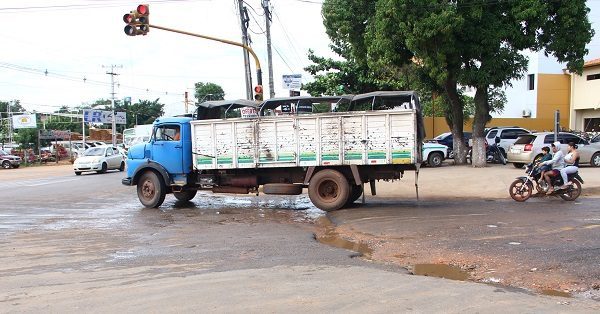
(225, 41)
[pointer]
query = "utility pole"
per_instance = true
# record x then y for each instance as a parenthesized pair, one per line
(112, 100)
(268, 20)
(245, 20)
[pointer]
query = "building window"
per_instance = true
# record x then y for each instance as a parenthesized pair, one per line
(593, 77)
(531, 82)
(591, 124)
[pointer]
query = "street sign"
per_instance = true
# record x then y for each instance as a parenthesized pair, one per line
(101, 116)
(292, 81)
(286, 108)
(305, 107)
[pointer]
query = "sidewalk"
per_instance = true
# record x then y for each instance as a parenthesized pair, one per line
(451, 181)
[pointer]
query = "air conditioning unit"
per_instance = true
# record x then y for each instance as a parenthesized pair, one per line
(526, 113)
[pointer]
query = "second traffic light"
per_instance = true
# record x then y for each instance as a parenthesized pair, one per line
(138, 21)
(258, 93)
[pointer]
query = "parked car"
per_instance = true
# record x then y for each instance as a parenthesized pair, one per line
(528, 147)
(434, 154)
(8, 161)
(507, 135)
(447, 140)
(99, 159)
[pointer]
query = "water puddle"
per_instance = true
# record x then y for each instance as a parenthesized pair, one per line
(332, 238)
(440, 271)
(557, 293)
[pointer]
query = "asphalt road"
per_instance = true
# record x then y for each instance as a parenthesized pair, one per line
(83, 243)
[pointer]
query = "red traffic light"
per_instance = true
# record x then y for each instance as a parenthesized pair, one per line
(258, 89)
(143, 9)
(128, 18)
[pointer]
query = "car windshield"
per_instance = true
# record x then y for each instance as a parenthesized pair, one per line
(441, 136)
(525, 139)
(96, 151)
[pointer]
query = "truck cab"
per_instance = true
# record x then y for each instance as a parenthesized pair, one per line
(168, 154)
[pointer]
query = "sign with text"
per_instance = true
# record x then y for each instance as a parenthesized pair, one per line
(54, 135)
(248, 112)
(292, 81)
(102, 116)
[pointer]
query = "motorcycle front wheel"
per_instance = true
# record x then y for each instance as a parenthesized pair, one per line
(572, 192)
(520, 191)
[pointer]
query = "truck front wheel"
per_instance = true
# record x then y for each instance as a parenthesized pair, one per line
(186, 195)
(329, 190)
(151, 190)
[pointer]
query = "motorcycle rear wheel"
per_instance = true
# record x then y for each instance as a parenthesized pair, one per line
(520, 191)
(572, 192)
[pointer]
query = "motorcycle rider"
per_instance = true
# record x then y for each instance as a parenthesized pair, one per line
(557, 162)
(572, 158)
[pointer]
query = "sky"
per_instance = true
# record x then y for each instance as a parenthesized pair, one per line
(76, 42)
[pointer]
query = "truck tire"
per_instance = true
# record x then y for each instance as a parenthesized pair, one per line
(355, 194)
(151, 190)
(435, 159)
(282, 189)
(329, 190)
(185, 195)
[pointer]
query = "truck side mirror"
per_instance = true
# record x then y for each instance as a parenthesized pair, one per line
(497, 140)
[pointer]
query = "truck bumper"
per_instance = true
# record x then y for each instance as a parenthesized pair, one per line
(126, 181)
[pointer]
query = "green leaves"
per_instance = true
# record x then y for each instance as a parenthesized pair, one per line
(208, 91)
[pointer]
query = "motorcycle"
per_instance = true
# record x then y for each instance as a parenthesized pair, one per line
(522, 188)
(492, 152)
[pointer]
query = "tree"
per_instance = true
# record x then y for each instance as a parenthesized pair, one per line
(455, 43)
(15, 107)
(208, 91)
(141, 112)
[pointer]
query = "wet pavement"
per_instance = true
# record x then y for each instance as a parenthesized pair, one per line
(65, 239)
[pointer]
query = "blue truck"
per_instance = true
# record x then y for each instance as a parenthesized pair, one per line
(281, 147)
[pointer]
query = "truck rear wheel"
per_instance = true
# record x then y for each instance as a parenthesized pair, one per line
(282, 189)
(329, 190)
(151, 190)
(186, 195)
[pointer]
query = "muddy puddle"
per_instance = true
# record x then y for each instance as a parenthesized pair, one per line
(440, 271)
(332, 238)
(556, 293)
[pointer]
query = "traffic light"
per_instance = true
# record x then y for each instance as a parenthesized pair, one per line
(258, 93)
(138, 21)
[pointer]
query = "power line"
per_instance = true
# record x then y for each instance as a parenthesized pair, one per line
(287, 36)
(83, 79)
(85, 6)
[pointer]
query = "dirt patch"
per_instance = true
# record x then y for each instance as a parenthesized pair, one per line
(428, 257)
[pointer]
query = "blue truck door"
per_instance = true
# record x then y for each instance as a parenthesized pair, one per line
(167, 148)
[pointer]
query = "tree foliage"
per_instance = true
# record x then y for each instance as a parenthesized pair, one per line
(141, 112)
(477, 43)
(208, 91)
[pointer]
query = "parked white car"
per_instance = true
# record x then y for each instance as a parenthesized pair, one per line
(434, 154)
(99, 159)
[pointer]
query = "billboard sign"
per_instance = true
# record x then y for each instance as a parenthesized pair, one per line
(292, 81)
(24, 121)
(102, 116)
(54, 135)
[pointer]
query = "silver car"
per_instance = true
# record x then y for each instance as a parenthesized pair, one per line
(529, 147)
